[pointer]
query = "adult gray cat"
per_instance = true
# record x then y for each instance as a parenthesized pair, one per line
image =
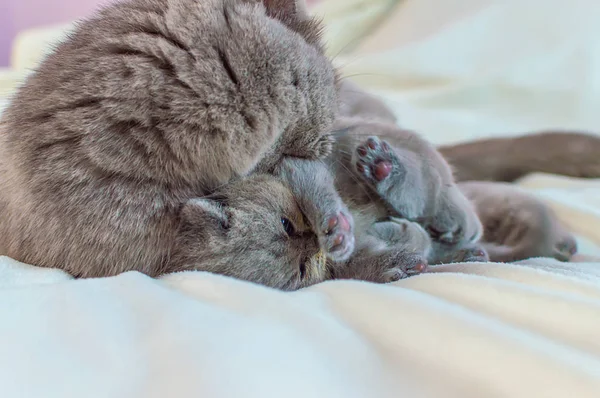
(146, 107)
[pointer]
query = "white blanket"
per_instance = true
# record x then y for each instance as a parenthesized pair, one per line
(453, 70)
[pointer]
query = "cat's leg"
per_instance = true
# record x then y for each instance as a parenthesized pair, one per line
(312, 185)
(449, 217)
(378, 166)
(470, 253)
(402, 234)
(382, 266)
(518, 225)
(412, 238)
(388, 251)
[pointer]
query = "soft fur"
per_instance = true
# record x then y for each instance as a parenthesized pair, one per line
(148, 106)
(517, 225)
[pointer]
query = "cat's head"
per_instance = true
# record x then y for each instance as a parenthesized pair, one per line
(175, 78)
(254, 230)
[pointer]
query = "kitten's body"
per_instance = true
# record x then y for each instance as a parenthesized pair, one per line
(506, 159)
(517, 225)
(149, 105)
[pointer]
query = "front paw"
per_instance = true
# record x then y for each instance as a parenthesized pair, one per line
(321, 147)
(311, 147)
(336, 236)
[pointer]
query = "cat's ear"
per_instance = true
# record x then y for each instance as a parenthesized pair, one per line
(294, 14)
(286, 10)
(202, 214)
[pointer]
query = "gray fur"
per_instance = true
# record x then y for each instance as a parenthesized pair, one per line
(517, 225)
(146, 107)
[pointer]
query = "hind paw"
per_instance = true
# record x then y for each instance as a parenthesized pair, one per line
(565, 249)
(375, 160)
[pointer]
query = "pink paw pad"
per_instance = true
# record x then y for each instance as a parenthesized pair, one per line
(374, 159)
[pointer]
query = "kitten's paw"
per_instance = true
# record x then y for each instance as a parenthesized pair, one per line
(336, 236)
(374, 160)
(565, 248)
(471, 254)
(405, 265)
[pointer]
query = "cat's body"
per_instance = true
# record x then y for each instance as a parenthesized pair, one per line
(395, 173)
(517, 225)
(146, 107)
(505, 159)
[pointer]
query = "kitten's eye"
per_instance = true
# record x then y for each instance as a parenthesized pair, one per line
(288, 226)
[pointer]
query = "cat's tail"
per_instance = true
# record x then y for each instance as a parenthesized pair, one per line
(565, 153)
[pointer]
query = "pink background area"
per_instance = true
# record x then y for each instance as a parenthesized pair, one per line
(17, 15)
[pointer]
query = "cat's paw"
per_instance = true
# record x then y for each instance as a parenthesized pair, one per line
(310, 146)
(565, 248)
(403, 266)
(336, 236)
(471, 254)
(374, 160)
(321, 147)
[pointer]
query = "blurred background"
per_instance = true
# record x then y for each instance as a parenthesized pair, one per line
(20, 15)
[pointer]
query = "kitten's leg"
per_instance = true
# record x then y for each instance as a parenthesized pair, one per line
(379, 167)
(402, 234)
(452, 223)
(563, 251)
(389, 251)
(313, 187)
(471, 253)
(518, 225)
(388, 265)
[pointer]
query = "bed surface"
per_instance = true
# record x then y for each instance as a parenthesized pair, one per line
(469, 69)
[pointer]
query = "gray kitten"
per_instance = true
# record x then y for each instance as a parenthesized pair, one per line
(146, 107)
(517, 225)
(277, 230)
(257, 230)
(395, 173)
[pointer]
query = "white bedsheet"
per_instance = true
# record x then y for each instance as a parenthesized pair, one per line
(454, 69)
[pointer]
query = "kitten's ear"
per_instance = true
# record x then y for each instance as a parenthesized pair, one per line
(203, 213)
